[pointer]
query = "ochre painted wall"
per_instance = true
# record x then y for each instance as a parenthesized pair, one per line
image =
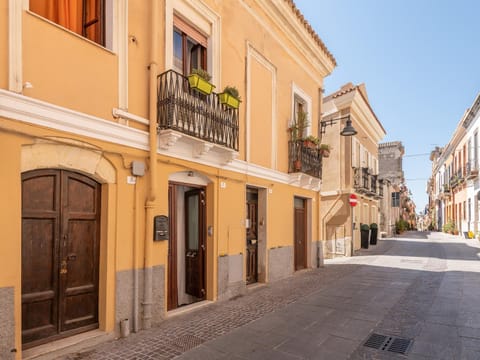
(67, 70)
(260, 129)
(290, 66)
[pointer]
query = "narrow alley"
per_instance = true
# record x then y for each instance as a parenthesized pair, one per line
(414, 295)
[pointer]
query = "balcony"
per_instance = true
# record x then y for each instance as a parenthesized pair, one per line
(456, 180)
(304, 165)
(471, 171)
(193, 124)
(367, 183)
(360, 180)
(380, 189)
(304, 159)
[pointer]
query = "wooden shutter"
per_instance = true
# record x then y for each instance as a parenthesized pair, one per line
(192, 32)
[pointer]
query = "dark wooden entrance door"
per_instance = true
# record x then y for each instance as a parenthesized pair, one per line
(60, 255)
(252, 236)
(172, 294)
(195, 243)
(300, 238)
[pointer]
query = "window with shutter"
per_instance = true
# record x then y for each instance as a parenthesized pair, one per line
(84, 17)
(189, 47)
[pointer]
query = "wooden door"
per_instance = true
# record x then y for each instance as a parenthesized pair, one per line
(60, 255)
(195, 243)
(300, 238)
(252, 237)
(172, 295)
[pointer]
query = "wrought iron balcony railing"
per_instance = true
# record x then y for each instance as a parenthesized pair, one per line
(446, 188)
(367, 183)
(304, 159)
(471, 171)
(456, 180)
(185, 110)
(360, 179)
(380, 188)
(373, 184)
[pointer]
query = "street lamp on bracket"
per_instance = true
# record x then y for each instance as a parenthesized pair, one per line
(348, 130)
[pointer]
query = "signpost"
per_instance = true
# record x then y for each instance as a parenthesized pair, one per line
(352, 200)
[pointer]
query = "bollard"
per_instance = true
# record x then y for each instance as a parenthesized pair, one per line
(124, 328)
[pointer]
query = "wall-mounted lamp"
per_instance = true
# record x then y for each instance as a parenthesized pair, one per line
(348, 130)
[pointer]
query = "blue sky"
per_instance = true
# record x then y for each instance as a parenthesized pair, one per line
(419, 60)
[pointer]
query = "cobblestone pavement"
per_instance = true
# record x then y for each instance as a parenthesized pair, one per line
(418, 287)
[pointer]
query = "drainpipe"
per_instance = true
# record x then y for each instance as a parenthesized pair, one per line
(152, 191)
(319, 240)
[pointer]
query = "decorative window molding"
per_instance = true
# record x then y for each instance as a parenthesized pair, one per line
(119, 44)
(74, 19)
(299, 95)
(198, 15)
(253, 54)
(15, 74)
(355, 153)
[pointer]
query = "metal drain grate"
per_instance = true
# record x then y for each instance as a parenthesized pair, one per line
(400, 346)
(375, 341)
(186, 342)
(388, 343)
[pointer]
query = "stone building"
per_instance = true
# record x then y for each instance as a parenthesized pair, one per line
(351, 168)
(390, 172)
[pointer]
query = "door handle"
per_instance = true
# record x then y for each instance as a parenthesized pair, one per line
(63, 267)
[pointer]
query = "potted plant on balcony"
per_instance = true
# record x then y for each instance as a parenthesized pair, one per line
(230, 97)
(199, 80)
(297, 165)
(297, 130)
(311, 141)
(325, 150)
(301, 122)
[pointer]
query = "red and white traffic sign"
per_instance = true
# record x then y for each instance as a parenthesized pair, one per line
(352, 200)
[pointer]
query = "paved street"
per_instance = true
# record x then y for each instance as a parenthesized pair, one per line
(418, 294)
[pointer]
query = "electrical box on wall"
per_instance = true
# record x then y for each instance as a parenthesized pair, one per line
(138, 168)
(160, 228)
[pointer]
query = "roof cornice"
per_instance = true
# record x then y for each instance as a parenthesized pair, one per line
(472, 113)
(289, 19)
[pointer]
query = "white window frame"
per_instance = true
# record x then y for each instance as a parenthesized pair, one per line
(355, 147)
(363, 157)
(299, 93)
(206, 21)
(116, 40)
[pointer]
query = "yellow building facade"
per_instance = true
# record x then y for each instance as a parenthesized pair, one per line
(129, 194)
(351, 168)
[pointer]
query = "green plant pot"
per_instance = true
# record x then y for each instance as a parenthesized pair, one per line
(229, 100)
(200, 84)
